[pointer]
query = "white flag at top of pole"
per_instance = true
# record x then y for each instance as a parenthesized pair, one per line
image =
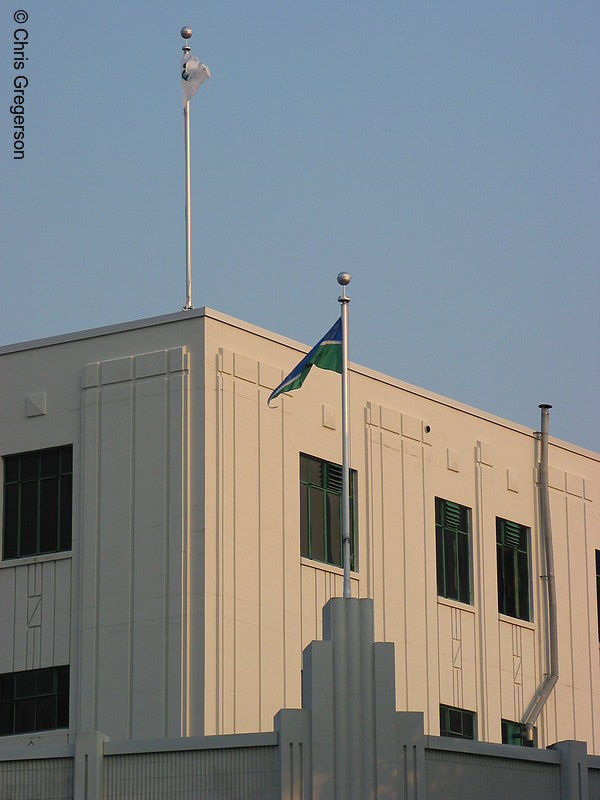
(193, 73)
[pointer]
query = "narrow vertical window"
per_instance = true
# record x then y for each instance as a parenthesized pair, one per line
(453, 550)
(321, 511)
(37, 502)
(512, 550)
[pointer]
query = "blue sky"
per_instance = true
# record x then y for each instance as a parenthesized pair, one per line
(444, 153)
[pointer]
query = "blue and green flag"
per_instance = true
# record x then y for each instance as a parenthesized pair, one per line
(326, 354)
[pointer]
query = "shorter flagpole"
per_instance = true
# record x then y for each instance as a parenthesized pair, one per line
(186, 34)
(344, 279)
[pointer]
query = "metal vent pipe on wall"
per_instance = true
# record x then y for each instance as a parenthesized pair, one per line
(546, 527)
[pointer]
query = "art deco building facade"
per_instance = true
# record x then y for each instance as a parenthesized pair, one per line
(169, 542)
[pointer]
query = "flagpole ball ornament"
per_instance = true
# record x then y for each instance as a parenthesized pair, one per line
(343, 279)
(186, 33)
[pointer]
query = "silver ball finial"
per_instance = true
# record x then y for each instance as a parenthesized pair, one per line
(343, 278)
(186, 32)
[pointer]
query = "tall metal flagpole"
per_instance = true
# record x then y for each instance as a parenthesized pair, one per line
(186, 34)
(344, 279)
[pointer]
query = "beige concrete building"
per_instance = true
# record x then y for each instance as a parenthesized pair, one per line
(169, 541)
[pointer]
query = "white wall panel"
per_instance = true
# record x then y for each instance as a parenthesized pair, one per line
(134, 592)
(391, 539)
(247, 556)
(47, 612)
(415, 568)
(444, 653)
(578, 599)
(115, 564)
(7, 618)
(469, 666)
(35, 601)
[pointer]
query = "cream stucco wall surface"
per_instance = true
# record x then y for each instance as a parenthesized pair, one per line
(184, 605)
(408, 446)
(122, 607)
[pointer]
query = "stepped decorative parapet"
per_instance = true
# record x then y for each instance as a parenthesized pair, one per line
(348, 741)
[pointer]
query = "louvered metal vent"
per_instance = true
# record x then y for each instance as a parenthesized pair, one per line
(451, 515)
(334, 477)
(512, 534)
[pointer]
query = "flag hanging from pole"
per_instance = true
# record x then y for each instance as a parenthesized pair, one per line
(193, 73)
(326, 354)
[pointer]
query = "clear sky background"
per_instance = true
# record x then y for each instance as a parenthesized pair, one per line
(446, 154)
